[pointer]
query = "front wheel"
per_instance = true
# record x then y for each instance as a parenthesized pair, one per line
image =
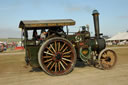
(107, 59)
(57, 56)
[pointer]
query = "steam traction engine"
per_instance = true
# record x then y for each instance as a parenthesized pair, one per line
(56, 52)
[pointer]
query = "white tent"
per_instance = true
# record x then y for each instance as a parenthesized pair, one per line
(119, 36)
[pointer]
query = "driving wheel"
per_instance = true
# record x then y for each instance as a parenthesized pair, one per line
(57, 56)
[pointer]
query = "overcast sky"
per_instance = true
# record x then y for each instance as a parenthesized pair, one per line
(113, 14)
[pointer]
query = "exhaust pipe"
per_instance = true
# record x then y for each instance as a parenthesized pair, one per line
(96, 23)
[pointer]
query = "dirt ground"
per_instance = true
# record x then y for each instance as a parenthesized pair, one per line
(14, 72)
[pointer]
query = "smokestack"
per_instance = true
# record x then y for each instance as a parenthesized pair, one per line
(96, 23)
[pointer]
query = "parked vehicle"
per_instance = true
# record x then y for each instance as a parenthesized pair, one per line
(2, 47)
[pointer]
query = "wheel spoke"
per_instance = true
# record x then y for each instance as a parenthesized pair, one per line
(52, 48)
(52, 65)
(68, 52)
(49, 64)
(112, 61)
(58, 46)
(49, 53)
(55, 46)
(64, 62)
(103, 61)
(59, 66)
(65, 48)
(104, 55)
(62, 47)
(102, 58)
(47, 60)
(67, 56)
(109, 53)
(62, 65)
(47, 56)
(56, 67)
(66, 59)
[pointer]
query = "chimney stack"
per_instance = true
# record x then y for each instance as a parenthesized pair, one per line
(96, 23)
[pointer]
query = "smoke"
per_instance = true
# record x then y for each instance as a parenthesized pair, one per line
(123, 17)
(79, 8)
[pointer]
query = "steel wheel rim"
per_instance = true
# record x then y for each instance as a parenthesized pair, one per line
(58, 57)
(108, 59)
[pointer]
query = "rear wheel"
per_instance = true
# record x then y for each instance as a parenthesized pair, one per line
(57, 56)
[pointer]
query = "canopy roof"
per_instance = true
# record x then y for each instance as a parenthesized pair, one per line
(45, 23)
(119, 36)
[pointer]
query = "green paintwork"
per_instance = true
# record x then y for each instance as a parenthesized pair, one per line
(32, 53)
(79, 40)
(71, 38)
(87, 56)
